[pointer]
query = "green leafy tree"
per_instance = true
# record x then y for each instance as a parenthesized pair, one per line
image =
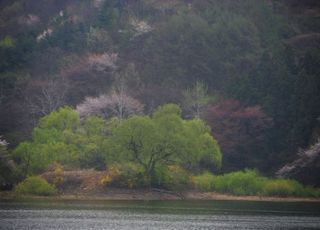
(50, 143)
(62, 119)
(163, 138)
(61, 138)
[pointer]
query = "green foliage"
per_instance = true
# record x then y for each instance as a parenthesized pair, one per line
(94, 126)
(204, 182)
(282, 188)
(37, 157)
(293, 91)
(98, 40)
(91, 155)
(127, 175)
(247, 182)
(200, 144)
(58, 138)
(67, 35)
(15, 52)
(11, 10)
(63, 118)
(35, 185)
(208, 45)
(58, 177)
(7, 42)
(143, 140)
(167, 110)
(172, 177)
(52, 141)
(164, 137)
(250, 182)
(44, 136)
(239, 49)
(132, 175)
(285, 188)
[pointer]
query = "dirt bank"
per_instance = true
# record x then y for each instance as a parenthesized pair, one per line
(155, 194)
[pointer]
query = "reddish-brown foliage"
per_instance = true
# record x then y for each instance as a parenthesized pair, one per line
(240, 131)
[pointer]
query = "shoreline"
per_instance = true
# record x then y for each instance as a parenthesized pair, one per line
(152, 195)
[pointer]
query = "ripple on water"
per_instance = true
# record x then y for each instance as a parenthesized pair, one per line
(24, 216)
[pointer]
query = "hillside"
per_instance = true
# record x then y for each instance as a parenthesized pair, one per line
(255, 64)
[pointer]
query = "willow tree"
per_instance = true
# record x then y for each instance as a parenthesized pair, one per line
(50, 142)
(163, 138)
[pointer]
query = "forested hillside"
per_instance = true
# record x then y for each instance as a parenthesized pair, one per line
(248, 68)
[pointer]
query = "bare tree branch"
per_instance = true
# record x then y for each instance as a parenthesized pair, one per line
(50, 97)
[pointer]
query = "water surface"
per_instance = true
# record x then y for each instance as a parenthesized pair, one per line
(158, 215)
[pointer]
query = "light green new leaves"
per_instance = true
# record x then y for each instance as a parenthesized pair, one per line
(161, 139)
(64, 118)
(164, 138)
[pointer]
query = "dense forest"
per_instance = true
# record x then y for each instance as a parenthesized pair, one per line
(151, 90)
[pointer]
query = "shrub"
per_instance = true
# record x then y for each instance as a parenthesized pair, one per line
(133, 175)
(159, 176)
(281, 187)
(58, 177)
(106, 180)
(112, 175)
(171, 177)
(311, 192)
(129, 175)
(284, 188)
(247, 182)
(204, 182)
(35, 185)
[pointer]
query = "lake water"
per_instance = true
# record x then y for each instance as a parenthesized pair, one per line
(158, 215)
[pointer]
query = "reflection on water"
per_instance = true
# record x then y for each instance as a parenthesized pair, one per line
(159, 215)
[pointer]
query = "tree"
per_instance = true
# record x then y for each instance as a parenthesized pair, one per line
(286, 84)
(54, 140)
(50, 96)
(195, 99)
(215, 47)
(7, 166)
(118, 104)
(103, 62)
(305, 167)
(60, 120)
(163, 138)
(240, 131)
(60, 137)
